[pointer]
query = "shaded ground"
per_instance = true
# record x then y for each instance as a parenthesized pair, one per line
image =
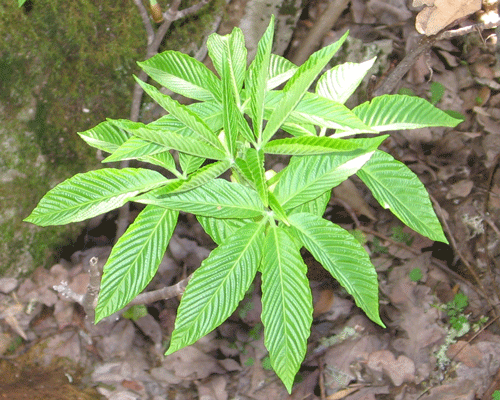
(439, 302)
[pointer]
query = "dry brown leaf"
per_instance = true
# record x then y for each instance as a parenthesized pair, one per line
(440, 13)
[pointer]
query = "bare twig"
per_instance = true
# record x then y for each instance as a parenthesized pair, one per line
(162, 294)
(325, 23)
(423, 46)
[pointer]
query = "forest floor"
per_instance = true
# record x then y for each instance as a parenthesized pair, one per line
(440, 302)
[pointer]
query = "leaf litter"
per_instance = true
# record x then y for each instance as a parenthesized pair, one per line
(418, 356)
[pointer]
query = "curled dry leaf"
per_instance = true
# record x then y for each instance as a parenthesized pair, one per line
(440, 13)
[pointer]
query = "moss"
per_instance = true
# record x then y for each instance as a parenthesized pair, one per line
(193, 29)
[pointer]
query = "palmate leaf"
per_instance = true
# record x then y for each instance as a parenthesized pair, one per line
(340, 82)
(106, 136)
(183, 74)
(217, 198)
(286, 304)
(299, 83)
(87, 195)
(134, 260)
(217, 286)
(183, 114)
(394, 112)
(343, 257)
(313, 145)
(397, 188)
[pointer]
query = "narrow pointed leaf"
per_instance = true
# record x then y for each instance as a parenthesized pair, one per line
(217, 286)
(163, 159)
(218, 198)
(313, 145)
(229, 48)
(183, 74)
(395, 112)
(255, 162)
(299, 83)
(257, 77)
(220, 228)
(172, 140)
(316, 206)
(302, 129)
(343, 257)
(203, 175)
(183, 114)
(317, 110)
(280, 70)
(84, 196)
(229, 108)
(286, 304)
(397, 188)
(340, 82)
(190, 163)
(134, 260)
(106, 136)
(134, 148)
(306, 178)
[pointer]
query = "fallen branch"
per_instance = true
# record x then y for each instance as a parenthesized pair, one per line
(424, 45)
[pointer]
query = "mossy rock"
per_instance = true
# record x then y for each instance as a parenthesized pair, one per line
(64, 67)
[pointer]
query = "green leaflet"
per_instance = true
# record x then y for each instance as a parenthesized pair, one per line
(217, 198)
(86, 195)
(317, 110)
(172, 140)
(257, 78)
(183, 74)
(252, 168)
(280, 70)
(296, 87)
(342, 256)
(395, 112)
(106, 136)
(163, 159)
(190, 163)
(306, 178)
(184, 114)
(220, 228)
(397, 188)
(217, 286)
(134, 148)
(232, 46)
(314, 145)
(286, 304)
(134, 259)
(340, 82)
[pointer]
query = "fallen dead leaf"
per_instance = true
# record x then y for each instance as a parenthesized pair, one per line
(440, 13)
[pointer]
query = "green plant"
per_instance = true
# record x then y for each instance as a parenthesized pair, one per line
(259, 219)
(496, 395)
